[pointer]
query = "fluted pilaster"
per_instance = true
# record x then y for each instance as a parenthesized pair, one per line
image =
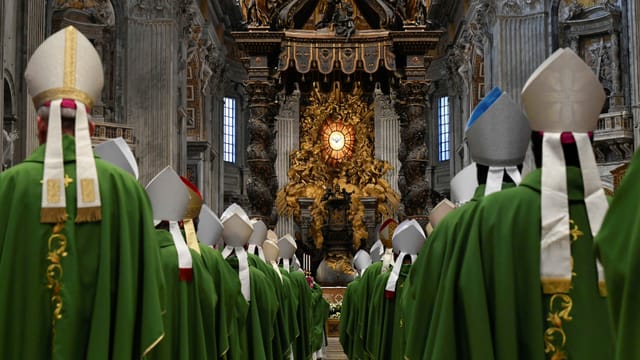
(34, 35)
(262, 184)
(387, 136)
(519, 49)
(634, 53)
(151, 104)
(287, 140)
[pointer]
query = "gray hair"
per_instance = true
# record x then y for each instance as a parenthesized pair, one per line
(43, 112)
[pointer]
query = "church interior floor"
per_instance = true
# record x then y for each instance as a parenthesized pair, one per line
(334, 349)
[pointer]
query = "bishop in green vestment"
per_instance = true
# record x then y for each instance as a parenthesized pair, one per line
(500, 281)
(105, 276)
(498, 135)
(618, 245)
(191, 303)
(232, 309)
(80, 272)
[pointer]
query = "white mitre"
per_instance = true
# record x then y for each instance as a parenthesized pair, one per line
(564, 95)
(209, 227)
(464, 184)
(169, 201)
(498, 135)
(117, 152)
(408, 239)
(66, 71)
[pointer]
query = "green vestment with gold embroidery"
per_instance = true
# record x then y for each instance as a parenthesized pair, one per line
(92, 291)
(618, 244)
(190, 319)
(500, 306)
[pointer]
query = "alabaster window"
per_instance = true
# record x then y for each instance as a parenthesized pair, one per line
(229, 130)
(443, 129)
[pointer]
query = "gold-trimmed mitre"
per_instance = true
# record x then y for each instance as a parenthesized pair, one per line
(65, 66)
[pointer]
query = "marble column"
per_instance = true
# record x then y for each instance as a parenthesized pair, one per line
(287, 140)
(150, 95)
(387, 135)
(412, 177)
(262, 184)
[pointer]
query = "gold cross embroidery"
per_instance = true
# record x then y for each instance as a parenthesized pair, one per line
(67, 180)
(575, 232)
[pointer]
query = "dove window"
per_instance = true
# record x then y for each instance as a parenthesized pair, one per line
(229, 131)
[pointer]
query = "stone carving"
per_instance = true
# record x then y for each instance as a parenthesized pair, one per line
(102, 10)
(150, 9)
(339, 14)
(7, 153)
(519, 7)
(291, 105)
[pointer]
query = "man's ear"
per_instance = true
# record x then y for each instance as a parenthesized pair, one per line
(42, 126)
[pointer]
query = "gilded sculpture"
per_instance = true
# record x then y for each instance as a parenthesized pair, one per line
(360, 174)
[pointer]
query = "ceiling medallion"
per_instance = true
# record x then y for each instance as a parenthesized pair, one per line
(338, 141)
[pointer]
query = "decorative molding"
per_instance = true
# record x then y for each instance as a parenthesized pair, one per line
(150, 9)
(519, 7)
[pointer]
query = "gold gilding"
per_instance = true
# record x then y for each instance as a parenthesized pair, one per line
(88, 190)
(190, 233)
(53, 191)
(57, 244)
(555, 338)
(63, 93)
(361, 174)
(555, 285)
(70, 57)
(195, 204)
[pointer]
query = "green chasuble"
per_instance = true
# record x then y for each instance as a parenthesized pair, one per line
(281, 338)
(302, 344)
(349, 317)
(500, 298)
(257, 339)
(189, 322)
(320, 313)
(232, 308)
(102, 280)
(361, 299)
(618, 244)
(384, 338)
(439, 259)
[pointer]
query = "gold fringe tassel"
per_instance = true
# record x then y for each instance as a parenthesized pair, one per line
(53, 215)
(556, 285)
(89, 214)
(602, 287)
